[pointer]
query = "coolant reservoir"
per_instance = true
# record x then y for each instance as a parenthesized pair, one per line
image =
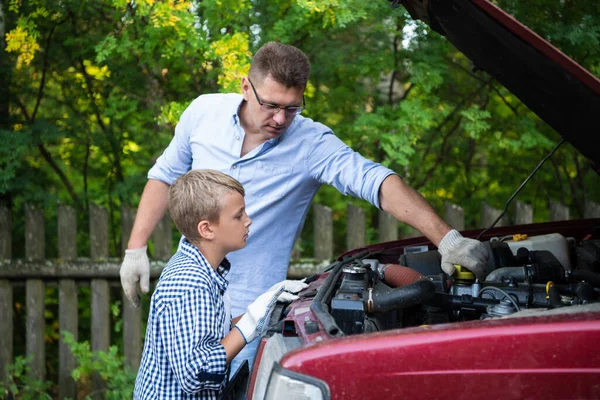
(554, 242)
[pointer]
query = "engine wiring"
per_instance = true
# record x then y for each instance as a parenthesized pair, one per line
(521, 187)
(508, 296)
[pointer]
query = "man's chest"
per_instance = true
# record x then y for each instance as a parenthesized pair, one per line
(269, 169)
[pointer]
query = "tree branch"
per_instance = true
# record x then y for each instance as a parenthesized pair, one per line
(60, 174)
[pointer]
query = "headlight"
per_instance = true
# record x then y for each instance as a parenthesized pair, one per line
(286, 384)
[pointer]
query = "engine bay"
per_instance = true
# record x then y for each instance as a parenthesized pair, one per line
(367, 293)
(531, 278)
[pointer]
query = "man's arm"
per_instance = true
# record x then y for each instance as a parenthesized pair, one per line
(409, 207)
(151, 209)
(136, 266)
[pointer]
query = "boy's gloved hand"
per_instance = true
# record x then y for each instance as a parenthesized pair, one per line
(258, 314)
(469, 253)
(291, 286)
(135, 268)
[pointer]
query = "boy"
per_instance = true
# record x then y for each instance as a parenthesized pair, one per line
(189, 341)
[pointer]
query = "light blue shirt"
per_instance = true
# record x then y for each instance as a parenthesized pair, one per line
(280, 178)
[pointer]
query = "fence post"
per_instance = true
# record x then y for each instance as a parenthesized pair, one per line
(67, 233)
(67, 321)
(98, 233)
(523, 213)
(100, 340)
(67, 301)
(387, 226)
(35, 327)
(455, 216)
(489, 215)
(5, 236)
(355, 227)
(163, 239)
(592, 210)
(100, 326)
(132, 316)
(558, 212)
(323, 234)
(296, 252)
(35, 245)
(6, 296)
(127, 218)
(6, 327)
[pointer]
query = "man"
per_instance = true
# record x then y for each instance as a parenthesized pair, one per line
(281, 159)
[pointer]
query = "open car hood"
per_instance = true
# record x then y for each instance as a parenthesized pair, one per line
(560, 91)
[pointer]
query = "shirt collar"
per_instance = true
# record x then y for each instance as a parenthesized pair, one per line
(222, 270)
(236, 120)
(236, 110)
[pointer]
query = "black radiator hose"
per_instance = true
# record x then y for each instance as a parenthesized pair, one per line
(588, 276)
(384, 298)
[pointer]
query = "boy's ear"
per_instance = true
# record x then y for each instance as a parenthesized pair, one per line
(205, 230)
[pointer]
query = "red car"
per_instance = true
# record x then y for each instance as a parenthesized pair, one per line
(385, 322)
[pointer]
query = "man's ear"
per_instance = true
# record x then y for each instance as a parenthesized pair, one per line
(245, 87)
(205, 230)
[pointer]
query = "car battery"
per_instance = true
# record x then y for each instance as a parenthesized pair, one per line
(348, 304)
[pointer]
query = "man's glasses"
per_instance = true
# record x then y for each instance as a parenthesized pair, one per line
(273, 109)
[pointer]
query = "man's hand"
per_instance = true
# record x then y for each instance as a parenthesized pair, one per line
(469, 253)
(135, 268)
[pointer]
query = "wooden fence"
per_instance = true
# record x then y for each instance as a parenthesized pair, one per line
(100, 273)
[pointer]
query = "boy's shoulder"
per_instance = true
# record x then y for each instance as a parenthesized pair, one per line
(181, 275)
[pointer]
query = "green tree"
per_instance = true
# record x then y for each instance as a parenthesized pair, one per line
(95, 89)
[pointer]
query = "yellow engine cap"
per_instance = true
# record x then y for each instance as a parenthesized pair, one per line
(463, 273)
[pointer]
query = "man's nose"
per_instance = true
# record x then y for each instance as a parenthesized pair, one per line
(279, 117)
(249, 222)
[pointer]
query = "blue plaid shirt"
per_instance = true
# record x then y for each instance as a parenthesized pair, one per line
(183, 357)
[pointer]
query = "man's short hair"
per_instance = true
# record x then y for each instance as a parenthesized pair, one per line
(286, 64)
(199, 195)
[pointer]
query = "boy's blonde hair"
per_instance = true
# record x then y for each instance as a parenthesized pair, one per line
(199, 195)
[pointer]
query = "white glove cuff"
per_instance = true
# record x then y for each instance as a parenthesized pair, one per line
(247, 329)
(136, 254)
(450, 240)
(242, 333)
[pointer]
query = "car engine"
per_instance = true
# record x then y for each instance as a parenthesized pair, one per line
(393, 286)
(367, 293)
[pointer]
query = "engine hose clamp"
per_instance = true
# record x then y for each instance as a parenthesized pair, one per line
(370, 306)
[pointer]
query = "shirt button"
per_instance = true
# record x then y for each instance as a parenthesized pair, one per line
(237, 138)
(234, 167)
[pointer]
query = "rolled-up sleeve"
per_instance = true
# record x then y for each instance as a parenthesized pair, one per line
(190, 334)
(331, 161)
(176, 160)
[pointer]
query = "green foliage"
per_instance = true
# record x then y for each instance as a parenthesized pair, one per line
(96, 89)
(21, 384)
(111, 366)
(13, 149)
(475, 121)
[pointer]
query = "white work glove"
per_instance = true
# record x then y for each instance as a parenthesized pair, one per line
(135, 268)
(289, 287)
(468, 253)
(258, 314)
